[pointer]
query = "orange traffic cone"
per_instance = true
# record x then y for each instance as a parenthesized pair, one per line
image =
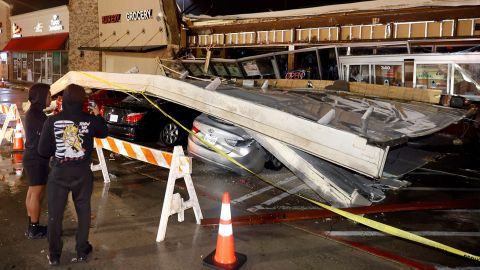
(225, 257)
(18, 144)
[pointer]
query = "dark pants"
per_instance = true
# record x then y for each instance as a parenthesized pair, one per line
(78, 180)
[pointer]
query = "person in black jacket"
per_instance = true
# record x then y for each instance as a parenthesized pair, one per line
(36, 167)
(68, 138)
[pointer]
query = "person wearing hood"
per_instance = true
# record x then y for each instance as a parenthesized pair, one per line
(68, 138)
(36, 166)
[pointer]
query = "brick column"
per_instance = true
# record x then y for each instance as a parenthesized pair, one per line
(83, 32)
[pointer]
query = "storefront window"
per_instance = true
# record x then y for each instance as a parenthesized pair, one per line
(345, 72)
(261, 68)
(307, 64)
(38, 66)
(282, 63)
(328, 63)
(234, 70)
(220, 69)
(197, 69)
(56, 71)
(266, 67)
(466, 79)
(359, 73)
(64, 63)
(46, 67)
(194, 69)
(30, 67)
(23, 63)
(16, 68)
(251, 68)
(432, 76)
(388, 75)
(56, 63)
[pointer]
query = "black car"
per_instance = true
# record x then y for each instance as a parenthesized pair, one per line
(135, 119)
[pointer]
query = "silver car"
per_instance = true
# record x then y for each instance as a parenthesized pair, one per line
(232, 140)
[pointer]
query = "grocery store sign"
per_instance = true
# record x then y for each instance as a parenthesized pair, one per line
(139, 15)
(115, 18)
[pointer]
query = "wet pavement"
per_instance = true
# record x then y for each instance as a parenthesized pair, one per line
(125, 220)
(126, 214)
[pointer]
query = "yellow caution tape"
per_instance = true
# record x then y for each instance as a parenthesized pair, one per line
(394, 231)
(362, 220)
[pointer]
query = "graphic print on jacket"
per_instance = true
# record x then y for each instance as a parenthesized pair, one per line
(68, 139)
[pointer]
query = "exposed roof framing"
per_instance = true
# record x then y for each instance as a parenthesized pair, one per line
(351, 18)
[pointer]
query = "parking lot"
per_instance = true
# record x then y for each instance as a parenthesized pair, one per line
(126, 213)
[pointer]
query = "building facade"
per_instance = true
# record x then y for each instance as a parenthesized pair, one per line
(113, 36)
(83, 30)
(357, 22)
(402, 43)
(133, 35)
(38, 48)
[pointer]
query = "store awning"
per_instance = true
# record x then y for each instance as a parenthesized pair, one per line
(37, 43)
(142, 49)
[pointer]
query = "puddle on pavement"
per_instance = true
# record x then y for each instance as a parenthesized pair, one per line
(11, 171)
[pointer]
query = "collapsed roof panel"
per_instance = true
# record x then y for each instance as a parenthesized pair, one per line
(337, 146)
(336, 185)
(381, 122)
(356, 137)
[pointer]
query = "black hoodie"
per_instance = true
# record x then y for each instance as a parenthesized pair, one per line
(68, 136)
(34, 119)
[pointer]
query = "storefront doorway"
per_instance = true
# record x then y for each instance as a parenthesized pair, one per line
(44, 67)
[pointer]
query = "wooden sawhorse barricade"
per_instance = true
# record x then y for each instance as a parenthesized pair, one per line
(180, 167)
(12, 114)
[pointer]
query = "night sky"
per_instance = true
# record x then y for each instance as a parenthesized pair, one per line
(229, 7)
(197, 7)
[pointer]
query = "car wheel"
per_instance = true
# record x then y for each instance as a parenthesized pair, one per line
(272, 163)
(170, 134)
